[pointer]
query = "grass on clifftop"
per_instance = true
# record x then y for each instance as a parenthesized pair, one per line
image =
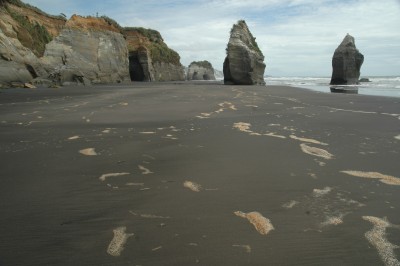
(31, 35)
(28, 6)
(204, 64)
(159, 51)
(242, 24)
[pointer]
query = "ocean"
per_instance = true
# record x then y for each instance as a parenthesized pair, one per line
(379, 86)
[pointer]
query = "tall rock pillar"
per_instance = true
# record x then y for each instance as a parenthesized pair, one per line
(244, 62)
(346, 63)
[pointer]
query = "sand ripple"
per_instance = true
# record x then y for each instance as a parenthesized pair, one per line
(117, 244)
(263, 225)
(386, 179)
(377, 238)
(105, 176)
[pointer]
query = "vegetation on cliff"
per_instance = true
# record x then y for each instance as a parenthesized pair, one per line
(31, 35)
(28, 6)
(159, 51)
(242, 24)
(204, 64)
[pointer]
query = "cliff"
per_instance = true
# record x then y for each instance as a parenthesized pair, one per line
(200, 70)
(35, 47)
(88, 49)
(346, 63)
(244, 62)
(150, 59)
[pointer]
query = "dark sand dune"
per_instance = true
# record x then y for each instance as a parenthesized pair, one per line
(164, 173)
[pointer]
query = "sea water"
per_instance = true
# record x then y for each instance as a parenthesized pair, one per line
(378, 86)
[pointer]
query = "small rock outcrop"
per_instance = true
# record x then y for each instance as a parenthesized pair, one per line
(346, 63)
(244, 63)
(200, 70)
(150, 59)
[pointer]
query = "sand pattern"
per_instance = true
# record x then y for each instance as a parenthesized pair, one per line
(308, 140)
(316, 152)
(144, 170)
(223, 106)
(105, 176)
(386, 179)
(247, 248)
(118, 242)
(377, 238)
(263, 225)
(192, 186)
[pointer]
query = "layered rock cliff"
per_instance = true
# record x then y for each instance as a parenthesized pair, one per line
(24, 33)
(244, 63)
(35, 45)
(346, 63)
(87, 49)
(150, 59)
(200, 70)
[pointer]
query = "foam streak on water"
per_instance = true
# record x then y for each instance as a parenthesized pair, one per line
(379, 86)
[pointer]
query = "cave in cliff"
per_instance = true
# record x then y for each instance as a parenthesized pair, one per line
(135, 68)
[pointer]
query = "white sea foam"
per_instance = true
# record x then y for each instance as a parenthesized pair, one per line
(377, 238)
(118, 242)
(262, 225)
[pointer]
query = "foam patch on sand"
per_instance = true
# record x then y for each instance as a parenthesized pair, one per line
(377, 238)
(105, 176)
(223, 106)
(333, 220)
(290, 204)
(275, 135)
(144, 170)
(321, 192)
(242, 126)
(316, 151)
(118, 242)
(73, 138)
(308, 140)
(149, 216)
(192, 186)
(263, 225)
(246, 248)
(88, 152)
(386, 179)
(397, 137)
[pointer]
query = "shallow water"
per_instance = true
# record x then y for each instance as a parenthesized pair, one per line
(378, 86)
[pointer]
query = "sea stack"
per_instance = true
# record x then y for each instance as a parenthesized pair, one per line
(346, 63)
(244, 62)
(200, 70)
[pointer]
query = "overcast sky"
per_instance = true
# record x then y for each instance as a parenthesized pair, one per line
(297, 37)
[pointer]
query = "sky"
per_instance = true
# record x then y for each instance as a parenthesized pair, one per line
(297, 37)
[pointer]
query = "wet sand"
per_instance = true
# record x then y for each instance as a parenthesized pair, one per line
(198, 174)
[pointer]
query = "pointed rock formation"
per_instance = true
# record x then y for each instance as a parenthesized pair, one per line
(346, 63)
(244, 63)
(200, 70)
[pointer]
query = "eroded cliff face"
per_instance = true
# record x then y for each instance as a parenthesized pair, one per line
(201, 70)
(85, 51)
(244, 63)
(150, 59)
(35, 45)
(23, 37)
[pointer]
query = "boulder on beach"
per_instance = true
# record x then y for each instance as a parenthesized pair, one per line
(346, 63)
(244, 62)
(200, 70)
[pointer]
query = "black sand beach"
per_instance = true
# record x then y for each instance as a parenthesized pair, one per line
(198, 174)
